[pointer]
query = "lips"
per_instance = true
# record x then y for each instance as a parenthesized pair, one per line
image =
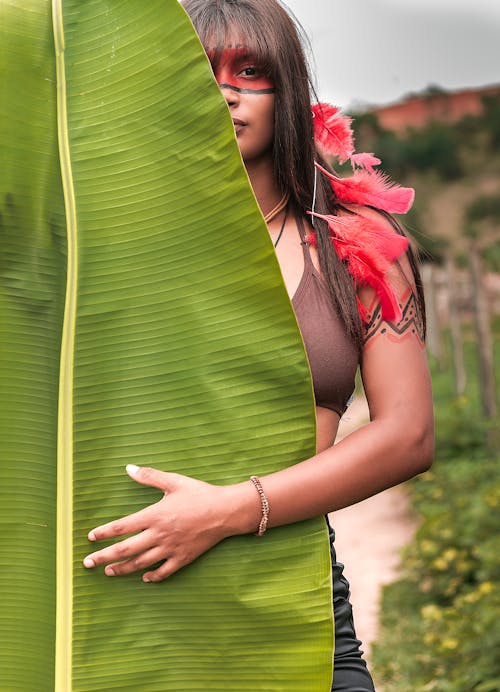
(238, 124)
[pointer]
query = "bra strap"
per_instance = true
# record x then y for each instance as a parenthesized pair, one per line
(305, 245)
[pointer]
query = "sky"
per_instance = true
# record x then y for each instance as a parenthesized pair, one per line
(373, 52)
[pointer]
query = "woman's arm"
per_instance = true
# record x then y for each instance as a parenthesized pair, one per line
(395, 445)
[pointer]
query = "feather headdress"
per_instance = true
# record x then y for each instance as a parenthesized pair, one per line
(333, 134)
(367, 244)
(371, 188)
(368, 248)
(334, 138)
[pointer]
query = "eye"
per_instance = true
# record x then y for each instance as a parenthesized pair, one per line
(250, 71)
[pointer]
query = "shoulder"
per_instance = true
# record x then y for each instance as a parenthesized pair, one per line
(388, 298)
(379, 256)
(399, 270)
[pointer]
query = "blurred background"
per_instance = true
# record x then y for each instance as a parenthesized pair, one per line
(376, 51)
(422, 80)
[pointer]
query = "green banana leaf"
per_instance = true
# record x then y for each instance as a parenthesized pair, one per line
(143, 319)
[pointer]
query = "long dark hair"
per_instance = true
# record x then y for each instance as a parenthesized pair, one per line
(276, 40)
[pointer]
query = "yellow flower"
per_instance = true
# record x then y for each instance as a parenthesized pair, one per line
(492, 500)
(486, 587)
(450, 554)
(449, 644)
(472, 597)
(440, 564)
(431, 612)
(428, 547)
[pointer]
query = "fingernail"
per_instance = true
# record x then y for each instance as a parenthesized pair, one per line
(131, 469)
(88, 562)
(109, 572)
(91, 536)
(147, 580)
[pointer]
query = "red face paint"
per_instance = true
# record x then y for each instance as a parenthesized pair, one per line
(239, 71)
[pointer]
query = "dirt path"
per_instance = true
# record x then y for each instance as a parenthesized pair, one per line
(369, 539)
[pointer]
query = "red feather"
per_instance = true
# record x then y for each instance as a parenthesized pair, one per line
(369, 248)
(373, 189)
(366, 244)
(366, 161)
(332, 132)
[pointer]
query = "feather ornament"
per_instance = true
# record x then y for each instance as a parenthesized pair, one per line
(366, 161)
(334, 137)
(366, 244)
(374, 189)
(332, 132)
(368, 247)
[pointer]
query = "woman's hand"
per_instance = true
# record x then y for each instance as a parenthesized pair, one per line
(191, 518)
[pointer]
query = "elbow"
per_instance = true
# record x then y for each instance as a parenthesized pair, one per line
(426, 455)
(421, 448)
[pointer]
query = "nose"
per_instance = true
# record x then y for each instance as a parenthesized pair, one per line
(231, 96)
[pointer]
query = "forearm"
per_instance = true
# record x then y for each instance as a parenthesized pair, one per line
(368, 461)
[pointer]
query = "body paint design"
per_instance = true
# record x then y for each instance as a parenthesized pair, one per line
(240, 90)
(239, 71)
(410, 326)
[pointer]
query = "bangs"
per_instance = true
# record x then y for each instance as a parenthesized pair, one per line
(273, 38)
(233, 27)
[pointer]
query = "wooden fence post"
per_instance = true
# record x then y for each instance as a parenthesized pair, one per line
(483, 331)
(434, 338)
(457, 348)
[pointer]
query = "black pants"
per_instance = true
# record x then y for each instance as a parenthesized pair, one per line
(350, 672)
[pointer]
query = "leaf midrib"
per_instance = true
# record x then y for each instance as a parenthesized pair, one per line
(64, 540)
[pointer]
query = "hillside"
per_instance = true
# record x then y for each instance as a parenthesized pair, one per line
(446, 146)
(449, 107)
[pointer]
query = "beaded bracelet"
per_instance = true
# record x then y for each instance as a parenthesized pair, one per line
(264, 504)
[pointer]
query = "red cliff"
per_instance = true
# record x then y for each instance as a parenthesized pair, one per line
(435, 105)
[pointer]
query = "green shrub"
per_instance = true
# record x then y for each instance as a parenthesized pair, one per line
(443, 616)
(491, 119)
(440, 622)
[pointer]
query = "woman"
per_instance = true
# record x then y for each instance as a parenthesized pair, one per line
(354, 305)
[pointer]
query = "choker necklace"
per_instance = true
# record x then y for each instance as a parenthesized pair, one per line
(276, 210)
(281, 229)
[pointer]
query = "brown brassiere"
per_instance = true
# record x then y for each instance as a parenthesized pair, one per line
(333, 358)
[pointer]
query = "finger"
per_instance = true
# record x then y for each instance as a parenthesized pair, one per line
(168, 568)
(139, 562)
(149, 476)
(121, 527)
(121, 551)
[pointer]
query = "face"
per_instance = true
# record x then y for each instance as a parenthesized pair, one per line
(249, 94)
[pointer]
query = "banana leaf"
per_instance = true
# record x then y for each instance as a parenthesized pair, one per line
(143, 319)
